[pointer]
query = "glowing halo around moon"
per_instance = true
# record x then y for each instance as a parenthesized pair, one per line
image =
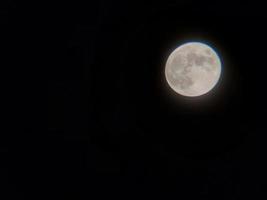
(193, 69)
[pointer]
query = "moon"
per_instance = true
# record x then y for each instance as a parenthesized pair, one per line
(193, 69)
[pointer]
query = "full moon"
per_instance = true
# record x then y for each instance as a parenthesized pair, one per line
(193, 69)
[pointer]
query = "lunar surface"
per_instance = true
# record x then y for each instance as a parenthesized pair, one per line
(193, 69)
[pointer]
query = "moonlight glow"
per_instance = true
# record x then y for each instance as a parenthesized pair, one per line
(193, 69)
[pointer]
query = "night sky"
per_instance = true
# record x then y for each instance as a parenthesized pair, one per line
(113, 129)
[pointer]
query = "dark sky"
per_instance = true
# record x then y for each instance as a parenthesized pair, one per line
(113, 128)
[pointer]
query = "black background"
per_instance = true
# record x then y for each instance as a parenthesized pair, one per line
(113, 128)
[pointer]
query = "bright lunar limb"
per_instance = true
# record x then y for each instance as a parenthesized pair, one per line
(193, 69)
